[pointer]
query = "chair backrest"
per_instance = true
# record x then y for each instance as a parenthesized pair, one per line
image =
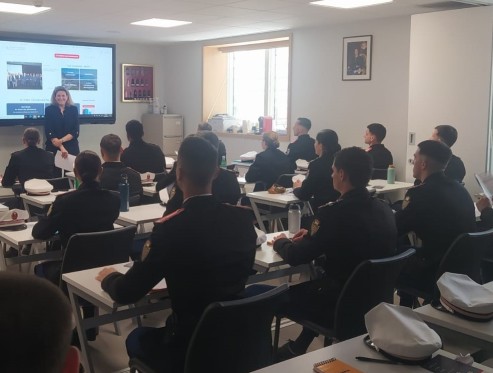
(371, 283)
(59, 183)
(235, 336)
(97, 249)
(466, 253)
(285, 180)
(379, 173)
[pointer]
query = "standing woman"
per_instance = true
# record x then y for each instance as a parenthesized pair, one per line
(62, 124)
(317, 187)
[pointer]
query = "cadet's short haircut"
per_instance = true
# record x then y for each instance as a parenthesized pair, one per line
(35, 324)
(135, 129)
(87, 164)
(197, 158)
(111, 144)
(438, 153)
(356, 163)
(305, 122)
(447, 134)
(378, 130)
(31, 136)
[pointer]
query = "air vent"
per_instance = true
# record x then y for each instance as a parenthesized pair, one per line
(457, 4)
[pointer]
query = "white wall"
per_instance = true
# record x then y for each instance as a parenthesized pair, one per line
(450, 75)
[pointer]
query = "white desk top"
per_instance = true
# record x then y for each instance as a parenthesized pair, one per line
(150, 190)
(266, 256)
(3, 208)
(241, 180)
(381, 186)
(6, 191)
(42, 200)
(19, 238)
(347, 351)
(86, 282)
(264, 196)
(141, 214)
(70, 175)
(480, 330)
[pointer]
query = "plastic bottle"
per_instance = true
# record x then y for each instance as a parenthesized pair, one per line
(391, 174)
(76, 183)
(223, 162)
(123, 188)
(294, 219)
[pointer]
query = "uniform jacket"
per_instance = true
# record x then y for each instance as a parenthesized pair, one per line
(382, 158)
(355, 228)
(144, 157)
(302, 148)
(205, 251)
(87, 209)
(268, 166)
(112, 175)
(438, 210)
(318, 187)
(29, 163)
(58, 125)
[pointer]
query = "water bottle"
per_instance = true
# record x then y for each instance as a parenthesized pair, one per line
(223, 162)
(391, 174)
(123, 188)
(294, 219)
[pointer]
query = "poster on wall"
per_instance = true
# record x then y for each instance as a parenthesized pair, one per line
(137, 83)
(356, 58)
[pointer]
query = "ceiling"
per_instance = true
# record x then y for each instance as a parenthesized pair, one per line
(109, 20)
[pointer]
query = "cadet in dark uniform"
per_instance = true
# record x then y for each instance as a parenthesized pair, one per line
(355, 228)
(140, 155)
(486, 218)
(437, 211)
(455, 168)
(318, 187)
(269, 164)
(302, 148)
(29, 163)
(381, 156)
(221, 148)
(205, 251)
(113, 168)
(87, 209)
(225, 186)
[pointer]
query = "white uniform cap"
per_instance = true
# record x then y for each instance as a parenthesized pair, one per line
(37, 186)
(147, 177)
(13, 217)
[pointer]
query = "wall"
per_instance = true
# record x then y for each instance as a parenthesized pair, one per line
(450, 80)
(317, 89)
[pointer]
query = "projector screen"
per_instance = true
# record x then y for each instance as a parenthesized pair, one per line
(32, 69)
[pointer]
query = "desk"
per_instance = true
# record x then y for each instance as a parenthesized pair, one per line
(381, 186)
(150, 190)
(139, 215)
(478, 334)
(39, 201)
(275, 200)
(3, 208)
(18, 239)
(346, 351)
(241, 166)
(84, 284)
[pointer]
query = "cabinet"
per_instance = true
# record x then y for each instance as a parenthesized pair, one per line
(166, 131)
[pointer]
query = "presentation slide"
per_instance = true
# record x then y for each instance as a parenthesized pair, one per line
(33, 70)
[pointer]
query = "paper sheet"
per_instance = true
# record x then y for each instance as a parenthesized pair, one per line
(66, 164)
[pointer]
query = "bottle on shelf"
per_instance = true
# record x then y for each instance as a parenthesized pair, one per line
(124, 190)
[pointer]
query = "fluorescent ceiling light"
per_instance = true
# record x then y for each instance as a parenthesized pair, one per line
(348, 4)
(22, 9)
(159, 22)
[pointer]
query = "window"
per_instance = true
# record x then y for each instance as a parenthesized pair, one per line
(243, 82)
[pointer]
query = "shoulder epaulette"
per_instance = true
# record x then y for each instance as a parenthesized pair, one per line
(169, 217)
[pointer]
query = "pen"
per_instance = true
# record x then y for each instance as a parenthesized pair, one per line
(372, 360)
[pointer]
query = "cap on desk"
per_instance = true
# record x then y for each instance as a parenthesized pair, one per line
(459, 294)
(38, 186)
(399, 332)
(147, 177)
(13, 216)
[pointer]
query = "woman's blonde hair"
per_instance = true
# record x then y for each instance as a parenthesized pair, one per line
(58, 89)
(271, 139)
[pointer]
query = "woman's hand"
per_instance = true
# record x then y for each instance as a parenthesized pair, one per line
(297, 184)
(64, 152)
(483, 203)
(104, 273)
(56, 142)
(299, 235)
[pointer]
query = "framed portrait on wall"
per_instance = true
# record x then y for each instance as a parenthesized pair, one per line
(356, 57)
(137, 83)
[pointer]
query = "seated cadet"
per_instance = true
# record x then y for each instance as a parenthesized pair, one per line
(381, 156)
(269, 164)
(356, 227)
(29, 163)
(113, 168)
(486, 218)
(448, 135)
(205, 251)
(318, 186)
(87, 209)
(302, 148)
(36, 326)
(437, 211)
(221, 148)
(140, 155)
(225, 186)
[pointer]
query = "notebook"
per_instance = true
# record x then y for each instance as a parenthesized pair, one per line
(485, 181)
(443, 364)
(334, 366)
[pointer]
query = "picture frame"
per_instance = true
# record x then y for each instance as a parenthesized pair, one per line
(137, 83)
(356, 57)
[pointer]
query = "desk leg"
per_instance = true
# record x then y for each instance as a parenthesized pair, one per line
(257, 215)
(3, 264)
(76, 308)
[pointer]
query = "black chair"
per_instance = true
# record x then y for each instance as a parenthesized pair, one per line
(470, 254)
(59, 183)
(371, 283)
(379, 173)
